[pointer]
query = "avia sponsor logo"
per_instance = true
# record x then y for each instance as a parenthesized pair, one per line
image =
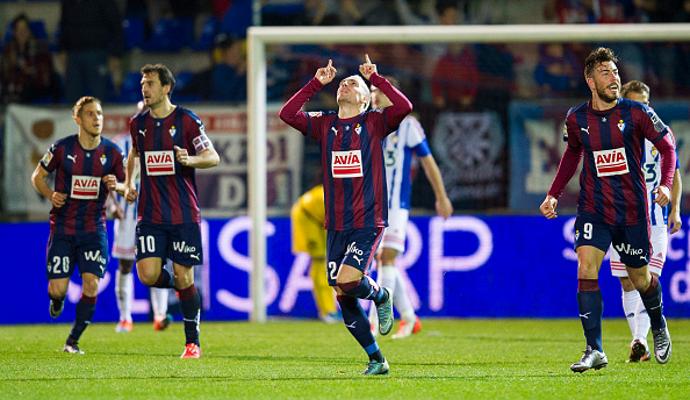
(85, 187)
(95, 256)
(159, 163)
(611, 162)
(182, 247)
(346, 164)
(625, 248)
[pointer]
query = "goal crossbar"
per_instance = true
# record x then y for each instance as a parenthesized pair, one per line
(259, 37)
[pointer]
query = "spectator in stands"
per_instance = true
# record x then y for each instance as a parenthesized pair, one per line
(92, 43)
(455, 78)
(555, 73)
(26, 67)
(229, 74)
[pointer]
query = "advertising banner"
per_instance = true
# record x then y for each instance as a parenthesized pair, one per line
(222, 190)
(536, 147)
(466, 266)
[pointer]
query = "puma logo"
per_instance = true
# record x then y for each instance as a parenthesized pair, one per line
(359, 260)
(142, 132)
(352, 325)
(194, 256)
(73, 158)
(335, 131)
(585, 315)
(585, 130)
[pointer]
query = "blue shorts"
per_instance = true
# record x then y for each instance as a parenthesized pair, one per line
(631, 241)
(181, 243)
(354, 247)
(89, 251)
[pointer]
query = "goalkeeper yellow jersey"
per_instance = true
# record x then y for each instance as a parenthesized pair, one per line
(307, 217)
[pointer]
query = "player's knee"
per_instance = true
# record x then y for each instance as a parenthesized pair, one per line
(627, 284)
(56, 291)
(639, 279)
(147, 277)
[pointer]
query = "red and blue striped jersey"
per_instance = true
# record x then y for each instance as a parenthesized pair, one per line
(354, 180)
(78, 174)
(168, 189)
(612, 184)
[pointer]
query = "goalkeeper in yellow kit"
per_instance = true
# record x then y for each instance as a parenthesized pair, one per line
(309, 236)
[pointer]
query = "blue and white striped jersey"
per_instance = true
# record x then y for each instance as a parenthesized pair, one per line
(398, 152)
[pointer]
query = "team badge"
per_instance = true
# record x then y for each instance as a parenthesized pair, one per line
(621, 126)
(358, 129)
(103, 159)
(172, 130)
(577, 234)
(654, 151)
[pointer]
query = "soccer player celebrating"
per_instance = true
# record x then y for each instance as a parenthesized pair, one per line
(612, 206)
(354, 191)
(169, 141)
(660, 218)
(86, 167)
(399, 149)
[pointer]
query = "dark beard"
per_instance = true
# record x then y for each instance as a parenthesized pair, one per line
(608, 99)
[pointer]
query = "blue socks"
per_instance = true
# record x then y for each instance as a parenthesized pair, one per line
(591, 308)
(85, 310)
(190, 302)
(356, 321)
(366, 288)
(651, 298)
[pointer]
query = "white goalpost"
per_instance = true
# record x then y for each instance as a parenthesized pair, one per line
(259, 37)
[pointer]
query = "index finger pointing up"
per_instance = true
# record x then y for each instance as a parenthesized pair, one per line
(330, 63)
(367, 59)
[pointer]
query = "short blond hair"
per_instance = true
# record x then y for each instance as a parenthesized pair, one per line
(634, 86)
(79, 105)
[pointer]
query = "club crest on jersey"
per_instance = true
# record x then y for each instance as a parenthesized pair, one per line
(104, 159)
(611, 162)
(172, 130)
(621, 125)
(85, 187)
(346, 164)
(358, 129)
(159, 163)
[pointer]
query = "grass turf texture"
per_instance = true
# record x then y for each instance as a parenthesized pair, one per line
(497, 359)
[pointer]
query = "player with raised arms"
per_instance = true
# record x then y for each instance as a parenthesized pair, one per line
(355, 195)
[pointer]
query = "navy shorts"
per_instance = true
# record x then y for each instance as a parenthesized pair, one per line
(631, 241)
(181, 242)
(354, 247)
(88, 251)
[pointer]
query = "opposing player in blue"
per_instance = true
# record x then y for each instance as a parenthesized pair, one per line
(661, 218)
(355, 195)
(612, 207)
(169, 142)
(402, 146)
(86, 168)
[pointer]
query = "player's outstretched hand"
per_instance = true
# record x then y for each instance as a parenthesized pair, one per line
(326, 74)
(181, 155)
(548, 207)
(131, 194)
(58, 199)
(368, 68)
(110, 182)
(444, 208)
(674, 222)
(663, 195)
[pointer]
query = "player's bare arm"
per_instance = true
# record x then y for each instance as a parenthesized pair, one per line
(130, 191)
(38, 181)
(444, 207)
(674, 220)
(548, 207)
(207, 158)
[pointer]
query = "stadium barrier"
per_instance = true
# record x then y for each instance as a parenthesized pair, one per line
(466, 266)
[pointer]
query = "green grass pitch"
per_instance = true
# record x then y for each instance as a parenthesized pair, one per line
(451, 359)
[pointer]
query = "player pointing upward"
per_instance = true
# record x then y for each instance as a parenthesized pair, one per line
(354, 190)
